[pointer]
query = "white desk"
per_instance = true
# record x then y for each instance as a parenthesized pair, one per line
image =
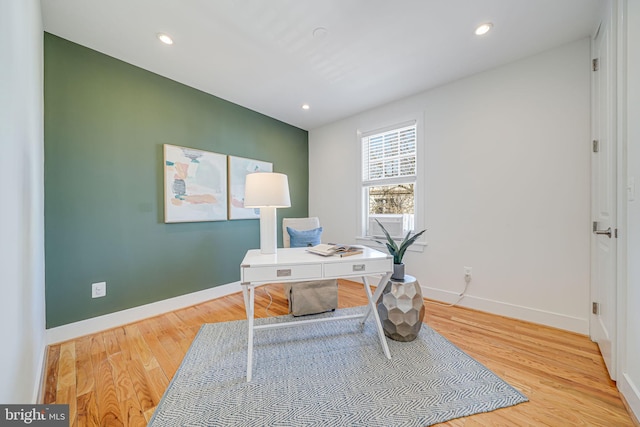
(295, 265)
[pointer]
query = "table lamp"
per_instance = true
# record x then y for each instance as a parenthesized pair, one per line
(267, 191)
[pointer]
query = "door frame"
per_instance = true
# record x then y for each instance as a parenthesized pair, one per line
(619, 12)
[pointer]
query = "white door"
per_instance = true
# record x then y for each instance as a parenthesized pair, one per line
(603, 196)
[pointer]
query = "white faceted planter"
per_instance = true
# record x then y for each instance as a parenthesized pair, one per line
(401, 309)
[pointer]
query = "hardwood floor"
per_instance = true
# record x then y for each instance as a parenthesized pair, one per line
(117, 377)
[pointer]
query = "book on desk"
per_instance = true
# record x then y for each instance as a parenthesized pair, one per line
(331, 249)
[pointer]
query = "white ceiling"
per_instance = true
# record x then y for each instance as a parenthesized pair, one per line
(262, 54)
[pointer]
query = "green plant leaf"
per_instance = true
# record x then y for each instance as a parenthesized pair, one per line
(392, 246)
(408, 242)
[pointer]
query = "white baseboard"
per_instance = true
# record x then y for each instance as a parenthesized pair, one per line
(528, 314)
(631, 394)
(119, 318)
(112, 320)
(500, 308)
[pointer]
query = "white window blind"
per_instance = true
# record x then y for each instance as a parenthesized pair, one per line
(389, 179)
(389, 156)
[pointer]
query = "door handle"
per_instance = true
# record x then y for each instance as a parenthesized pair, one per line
(606, 232)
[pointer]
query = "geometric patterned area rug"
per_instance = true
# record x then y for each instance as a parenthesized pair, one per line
(326, 374)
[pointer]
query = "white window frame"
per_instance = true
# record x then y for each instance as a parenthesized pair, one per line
(419, 187)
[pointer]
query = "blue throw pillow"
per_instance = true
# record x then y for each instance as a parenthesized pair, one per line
(304, 238)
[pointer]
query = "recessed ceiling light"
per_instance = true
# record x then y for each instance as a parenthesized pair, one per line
(320, 33)
(484, 29)
(164, 38)
(305, 106)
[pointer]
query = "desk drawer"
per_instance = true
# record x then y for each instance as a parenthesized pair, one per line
(358, 268)
(281, 273)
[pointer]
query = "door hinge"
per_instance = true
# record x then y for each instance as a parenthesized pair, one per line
(595, 308)
(595, 146)
(615, 233)
(595, 64)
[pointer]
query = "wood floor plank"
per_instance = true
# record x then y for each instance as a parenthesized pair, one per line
(168, 364)
(130, 409)
(123, 343)
(85, 382)
(117, 377)
(111, 344)
(140, 348)
(140, 385)
(66, 386)
(106, 396)
(158, 383)
(51, 374)
(88, 410)
(164, 329)
(174, 351)
(67, 365)
(121, 379)
(191, 315)
(132, 413)
(98, 352)
(68, 395)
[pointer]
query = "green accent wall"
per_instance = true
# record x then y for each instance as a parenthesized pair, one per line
(105, 124)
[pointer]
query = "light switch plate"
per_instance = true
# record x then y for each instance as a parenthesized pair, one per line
(98, 289)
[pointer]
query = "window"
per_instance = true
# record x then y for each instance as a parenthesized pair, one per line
(389, 176)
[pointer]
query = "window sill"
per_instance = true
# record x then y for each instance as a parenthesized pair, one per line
(370, 242)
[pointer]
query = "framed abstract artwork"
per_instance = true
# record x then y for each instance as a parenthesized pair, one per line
(195, 185)
(239, 168)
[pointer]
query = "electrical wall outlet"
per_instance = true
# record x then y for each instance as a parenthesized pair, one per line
(98, 289)
(467, 274)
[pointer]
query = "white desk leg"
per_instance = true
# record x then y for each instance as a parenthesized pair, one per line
(372, 309)
(245, 294)
(381, 284)
(250, 313)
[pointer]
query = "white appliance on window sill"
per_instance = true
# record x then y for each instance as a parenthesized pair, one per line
(398, 225)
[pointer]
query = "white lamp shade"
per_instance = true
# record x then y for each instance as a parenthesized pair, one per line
(266, 189)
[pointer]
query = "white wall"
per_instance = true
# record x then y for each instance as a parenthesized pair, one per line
(507, 186)
(22, 201)
(629, 382)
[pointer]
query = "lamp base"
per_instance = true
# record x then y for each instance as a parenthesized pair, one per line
(268, 230)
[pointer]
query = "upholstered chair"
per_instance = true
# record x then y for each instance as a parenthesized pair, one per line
(310, 297)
